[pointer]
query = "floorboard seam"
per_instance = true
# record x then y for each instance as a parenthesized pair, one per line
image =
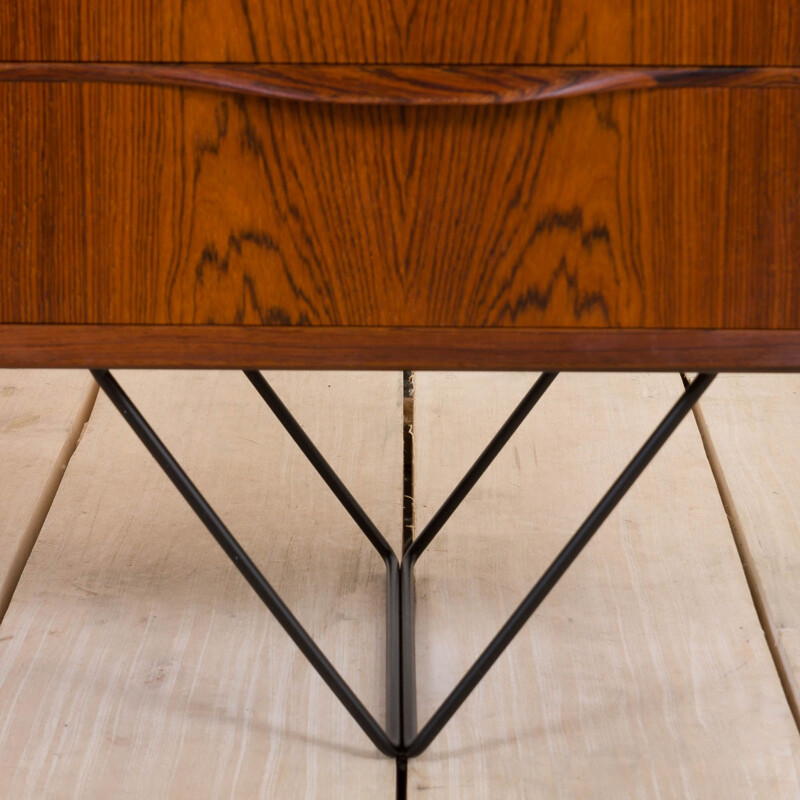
(401, 766)
(408, 460)
(45, 500)
(771, 633)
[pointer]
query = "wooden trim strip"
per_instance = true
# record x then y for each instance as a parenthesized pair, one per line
(257, 347)
(403, 84)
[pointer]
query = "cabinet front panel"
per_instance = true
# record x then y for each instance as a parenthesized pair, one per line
(137, 205)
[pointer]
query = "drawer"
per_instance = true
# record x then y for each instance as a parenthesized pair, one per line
(649, 32)
(164, 206)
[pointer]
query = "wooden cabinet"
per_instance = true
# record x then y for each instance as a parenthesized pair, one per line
(537, 196)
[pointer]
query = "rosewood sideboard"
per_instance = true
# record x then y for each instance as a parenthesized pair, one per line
(478, 184)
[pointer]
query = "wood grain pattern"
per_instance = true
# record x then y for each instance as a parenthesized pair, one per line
(661, 32)
(139, 205)
(277, 347)
(645, 673)
(401, 84)
(751, 424)
(135, 661)
(42, 414)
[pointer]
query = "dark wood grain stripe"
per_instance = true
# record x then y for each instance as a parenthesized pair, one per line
(404, 84)
(257, 347)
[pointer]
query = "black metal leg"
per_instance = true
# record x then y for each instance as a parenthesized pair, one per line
(416, 745)
(319, 463)
(474, 473)
(370, 530)
(426, 536)
(400, 740)
(243, 563)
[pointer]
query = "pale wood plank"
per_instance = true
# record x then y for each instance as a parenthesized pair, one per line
(645, 673)
(42, 413)
(137, 663)
(752, 425)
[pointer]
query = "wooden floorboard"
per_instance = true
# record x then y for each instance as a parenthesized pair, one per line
(135, 661)
(42, 413)
(752, 425)
(645, 673)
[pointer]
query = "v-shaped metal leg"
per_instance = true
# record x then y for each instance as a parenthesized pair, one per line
(415, 742)
(387, 741)
(400, 738)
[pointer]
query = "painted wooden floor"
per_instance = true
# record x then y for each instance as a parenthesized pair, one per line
(135, 662)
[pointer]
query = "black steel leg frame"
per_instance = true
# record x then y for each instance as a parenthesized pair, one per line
(400, 739)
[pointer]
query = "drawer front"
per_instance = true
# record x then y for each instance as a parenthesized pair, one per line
(145, 205)
(650, 32)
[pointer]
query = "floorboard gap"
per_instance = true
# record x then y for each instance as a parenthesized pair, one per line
(788, 683)
(45, 501)
(408, 459)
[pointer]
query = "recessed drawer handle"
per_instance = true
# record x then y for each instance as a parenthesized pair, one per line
(404, 84)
